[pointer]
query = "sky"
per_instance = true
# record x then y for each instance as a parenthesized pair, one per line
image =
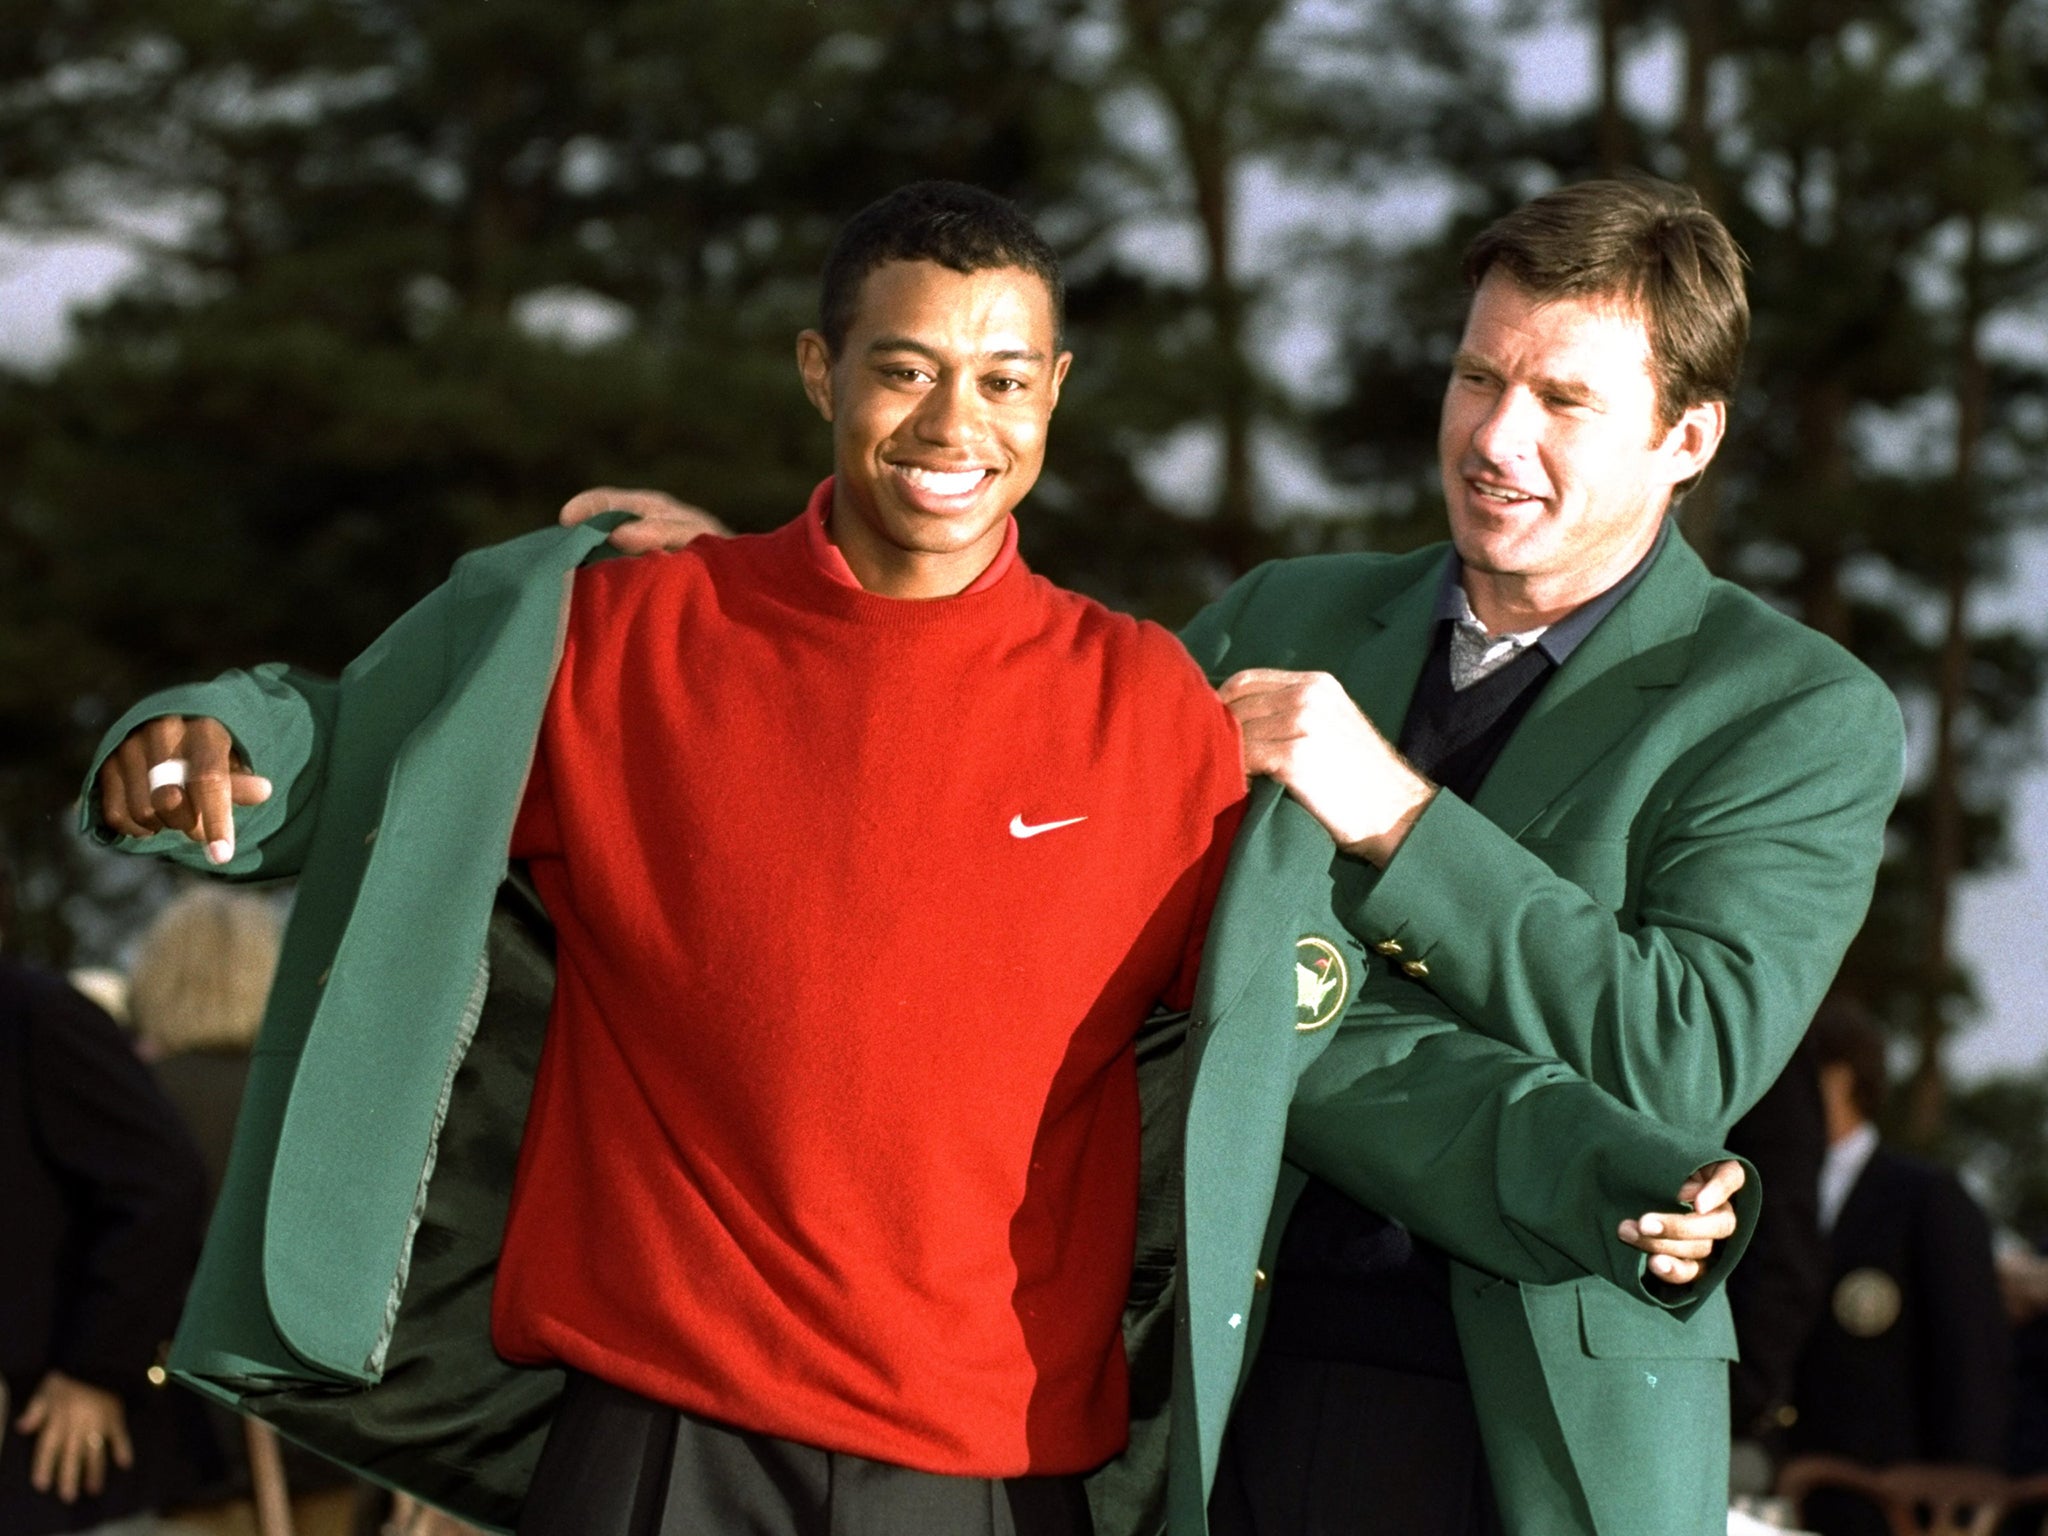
(2002, 918)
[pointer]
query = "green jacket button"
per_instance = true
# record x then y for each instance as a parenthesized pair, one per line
(1414, 969)
(1388, 947)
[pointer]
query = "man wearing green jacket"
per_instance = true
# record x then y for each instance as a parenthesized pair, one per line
(1633, 823)
(367, 1193)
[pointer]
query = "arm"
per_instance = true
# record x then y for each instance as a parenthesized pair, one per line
(1509, 1162)
(279, 725)
(1753, 877)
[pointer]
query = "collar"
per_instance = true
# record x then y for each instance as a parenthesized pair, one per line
(1840, 1168)
(832, 560)
(1557, 640)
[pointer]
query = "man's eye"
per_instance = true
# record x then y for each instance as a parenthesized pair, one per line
(1005, 386)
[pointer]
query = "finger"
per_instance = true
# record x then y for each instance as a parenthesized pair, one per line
(1678, 1247)
(1723, 1179)
(33, 1414)
(585, 505)
(1255, 680)
(125, 805)
(163, 741)
(119, 1446)
(1677, 1271)
(92, 1464)
(1680, 1226)
(248, 788)
(53, 1465)
(209, 756)
(655, 505)
(656, 535)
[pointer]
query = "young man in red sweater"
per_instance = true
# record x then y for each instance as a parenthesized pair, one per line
(868, 852)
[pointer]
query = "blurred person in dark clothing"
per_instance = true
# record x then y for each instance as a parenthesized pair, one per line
(1912, 1359)
(2023, 1278)
(1779, 1291)
(104, 1199)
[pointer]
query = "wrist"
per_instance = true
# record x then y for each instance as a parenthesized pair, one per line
(1403, 807)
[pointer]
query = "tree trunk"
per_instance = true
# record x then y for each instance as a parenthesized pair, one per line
(1612, 142)
(1927, 1091)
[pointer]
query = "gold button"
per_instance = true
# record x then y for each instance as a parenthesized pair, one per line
(1414, 968)
(1258, 1279)
(1786, 1415)
(158, 1375)
(1388, 947)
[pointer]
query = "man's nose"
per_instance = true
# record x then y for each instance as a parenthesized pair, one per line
(1509, 429)
(953, 412)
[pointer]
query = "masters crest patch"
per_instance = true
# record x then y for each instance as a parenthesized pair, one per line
(1322, 982)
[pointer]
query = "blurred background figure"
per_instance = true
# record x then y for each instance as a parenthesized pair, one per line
(195, 999)
(104, 1199)
(1911, 1359)
(2023, 1278)
(1779, 1290)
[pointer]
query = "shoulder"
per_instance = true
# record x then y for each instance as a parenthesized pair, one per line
(1738, 628)
(609, 587)
(1317, 584)
(1133, 650)
(1285, 612)
(1144, 677)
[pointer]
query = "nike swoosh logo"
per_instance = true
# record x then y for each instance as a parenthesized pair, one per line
(1019, 828)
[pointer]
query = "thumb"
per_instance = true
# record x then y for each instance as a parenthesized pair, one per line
(33, 1412)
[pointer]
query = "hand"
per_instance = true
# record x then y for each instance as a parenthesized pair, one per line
(1679, 1243)
(197, 800)
(77, 1427)
(1302, 729)
(664, 523)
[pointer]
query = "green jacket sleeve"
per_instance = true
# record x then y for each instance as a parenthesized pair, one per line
(1746, 885)
(281, 719)
(1512, 1163)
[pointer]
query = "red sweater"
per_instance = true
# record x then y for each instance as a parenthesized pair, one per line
(859, 903)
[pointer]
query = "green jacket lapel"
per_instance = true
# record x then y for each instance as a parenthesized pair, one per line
(1638, 651)
(1246, 1048)
(1381, 672)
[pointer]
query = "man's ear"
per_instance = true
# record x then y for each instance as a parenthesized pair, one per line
(1060, 365)
(1694, 437)
(814, 367)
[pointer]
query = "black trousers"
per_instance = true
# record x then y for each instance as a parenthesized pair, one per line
(617, 1464)
(1330, 1448)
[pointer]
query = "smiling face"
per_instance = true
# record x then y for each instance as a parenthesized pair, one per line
(1557, 468)
(939, 402)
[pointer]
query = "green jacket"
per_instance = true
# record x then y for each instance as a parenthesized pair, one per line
(344, 1293)
(1655, 885)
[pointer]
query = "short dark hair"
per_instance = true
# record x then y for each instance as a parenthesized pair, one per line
(1843, 1033)
(947, 222)
(1650, 244)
